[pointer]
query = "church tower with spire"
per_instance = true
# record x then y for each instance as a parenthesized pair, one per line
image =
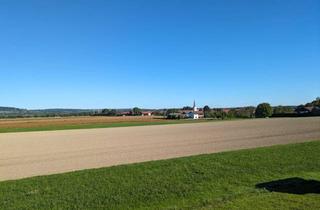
(194, 113)
(195, 109)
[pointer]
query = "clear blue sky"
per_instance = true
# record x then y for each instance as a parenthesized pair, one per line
(158, 53)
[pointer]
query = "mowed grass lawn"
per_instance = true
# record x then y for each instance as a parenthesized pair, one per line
(215, 181)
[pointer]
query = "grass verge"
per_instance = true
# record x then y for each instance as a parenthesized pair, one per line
(215, 181)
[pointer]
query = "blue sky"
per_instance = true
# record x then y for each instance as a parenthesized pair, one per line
(158, 53)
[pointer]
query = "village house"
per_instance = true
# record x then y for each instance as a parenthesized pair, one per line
(195, 113)
(146, 113)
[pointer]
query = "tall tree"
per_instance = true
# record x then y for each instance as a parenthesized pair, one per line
(105, 111)
(136, 111)
(187, 108)
(263, 110)
(206, 108)
(172, 111)
(206, 111)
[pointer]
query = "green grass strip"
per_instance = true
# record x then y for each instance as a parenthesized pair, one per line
(215, 181)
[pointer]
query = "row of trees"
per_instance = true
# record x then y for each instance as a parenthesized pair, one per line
(109, 112)
(283, 109)
(113, 112)
(263, 110)
(315, 103)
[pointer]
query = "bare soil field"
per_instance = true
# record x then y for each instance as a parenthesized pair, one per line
(60, 121)
(41, 153)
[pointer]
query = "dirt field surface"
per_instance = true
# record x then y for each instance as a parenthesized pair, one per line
(40, 153)
(60, 121)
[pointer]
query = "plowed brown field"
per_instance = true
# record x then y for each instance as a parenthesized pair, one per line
(39, 153)
(61, 121)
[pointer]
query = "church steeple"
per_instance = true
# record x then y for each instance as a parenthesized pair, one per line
(194, 106)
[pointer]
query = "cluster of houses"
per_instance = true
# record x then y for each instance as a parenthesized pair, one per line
(305, 110)
(193, 113)
(310, 109)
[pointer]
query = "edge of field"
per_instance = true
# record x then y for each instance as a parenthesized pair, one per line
(226, 180)
(98, 125)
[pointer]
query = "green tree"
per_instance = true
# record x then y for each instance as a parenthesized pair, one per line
(220, 114)
(206, 111)
(112, 112)
(105, 111)
(245, 112)
(206, 108)
(173, 114)
(233, 113)
(187, 108)
(263, 110)
(316, 102)
(316, 111)
(171, 111)
(136, 111)
(109, 112)
(282, 110)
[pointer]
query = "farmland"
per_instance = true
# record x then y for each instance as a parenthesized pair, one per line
(85, 122)
(47, 152)
(231, 180)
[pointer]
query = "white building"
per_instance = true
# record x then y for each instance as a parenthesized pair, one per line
(193, 115)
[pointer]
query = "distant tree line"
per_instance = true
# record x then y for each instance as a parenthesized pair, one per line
(113, 112)
(307, 110)
(107, 112)
(244, 112)
(264, 110)
(31, 115)
(174, 114)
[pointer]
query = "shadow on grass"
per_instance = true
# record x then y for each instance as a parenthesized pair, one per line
(292, 185)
